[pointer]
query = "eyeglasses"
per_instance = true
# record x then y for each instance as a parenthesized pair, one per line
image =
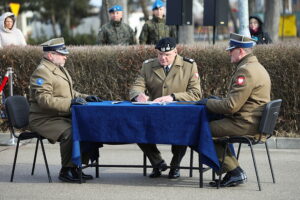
(60, 54)
(231, 50)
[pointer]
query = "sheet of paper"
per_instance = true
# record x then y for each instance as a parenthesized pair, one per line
(152, 102)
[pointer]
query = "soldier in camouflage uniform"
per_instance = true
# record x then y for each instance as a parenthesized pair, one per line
(116, 32)
(156, 29)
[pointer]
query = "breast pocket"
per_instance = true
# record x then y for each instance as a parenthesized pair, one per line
(154, 83)
(61, 87)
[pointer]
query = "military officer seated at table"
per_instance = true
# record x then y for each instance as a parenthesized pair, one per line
(248, 93)
(169, 77)
(51, 98)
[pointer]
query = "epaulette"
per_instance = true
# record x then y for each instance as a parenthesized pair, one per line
(149, 60)
(41, 66)
(188, 60)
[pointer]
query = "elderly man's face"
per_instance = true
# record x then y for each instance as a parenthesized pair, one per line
(159, 12)
(235, 55)
(116, 16)
(57, 58)
(166, 58)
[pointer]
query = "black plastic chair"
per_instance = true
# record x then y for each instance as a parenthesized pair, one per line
(17, 110)
(266, 129)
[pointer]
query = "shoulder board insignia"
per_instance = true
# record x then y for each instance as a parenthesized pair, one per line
(188, 60)
(41, 66)
(149, 60)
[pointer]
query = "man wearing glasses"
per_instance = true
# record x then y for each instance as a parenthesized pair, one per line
(51, 98)
(169, 77)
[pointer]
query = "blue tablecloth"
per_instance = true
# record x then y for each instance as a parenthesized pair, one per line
(179, 124)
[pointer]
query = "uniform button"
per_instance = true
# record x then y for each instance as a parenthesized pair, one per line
(165, 86)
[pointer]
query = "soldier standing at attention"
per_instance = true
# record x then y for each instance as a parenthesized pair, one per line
(51, 97)
(169, 77)
(116, 32)
(248, 93)
(156, 28)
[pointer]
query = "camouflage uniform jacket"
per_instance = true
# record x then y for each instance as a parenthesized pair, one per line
(116, 33)
(156, 29)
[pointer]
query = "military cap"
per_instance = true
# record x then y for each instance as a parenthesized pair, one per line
(157, 4)
(240, 41)
(55, 44)
(166, 44)
(115, 8)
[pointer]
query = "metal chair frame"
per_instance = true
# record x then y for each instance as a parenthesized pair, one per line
(145, 166)
(266, 128)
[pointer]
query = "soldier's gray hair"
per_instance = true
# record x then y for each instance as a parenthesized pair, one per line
(248, 50)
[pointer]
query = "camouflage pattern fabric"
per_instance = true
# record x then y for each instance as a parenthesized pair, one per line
(156, 29)
(116, 33)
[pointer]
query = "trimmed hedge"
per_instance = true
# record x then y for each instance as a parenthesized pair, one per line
(110, 70)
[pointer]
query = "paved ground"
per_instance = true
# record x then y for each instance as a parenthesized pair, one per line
(128, 183)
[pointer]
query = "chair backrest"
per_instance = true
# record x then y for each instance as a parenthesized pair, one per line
(17, 110)
(269, 117)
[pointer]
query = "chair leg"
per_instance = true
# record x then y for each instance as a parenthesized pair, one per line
(15, 160)
(34, 158)
(239, 150)
(97, 168)
(45, 159)
(222, 163)
(269, 158)
(80, 175)
(191, 162)
(213, 175)
(200, 171)
(255, 167)
(144, 164)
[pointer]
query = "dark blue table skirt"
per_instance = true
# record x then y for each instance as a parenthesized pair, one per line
(179, 124)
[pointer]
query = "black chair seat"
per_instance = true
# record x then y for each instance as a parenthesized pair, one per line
(28, 135)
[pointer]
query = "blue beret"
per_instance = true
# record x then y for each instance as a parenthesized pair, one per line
(240, 41)
(115, 8)
(157, 4)
(166, 44)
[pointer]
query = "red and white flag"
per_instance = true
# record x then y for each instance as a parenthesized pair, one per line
(4, 81)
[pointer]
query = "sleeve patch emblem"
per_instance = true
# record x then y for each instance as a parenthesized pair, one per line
(196, 75)
(39, 81)
(240, 80)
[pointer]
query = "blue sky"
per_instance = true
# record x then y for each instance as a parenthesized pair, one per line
(96, 2)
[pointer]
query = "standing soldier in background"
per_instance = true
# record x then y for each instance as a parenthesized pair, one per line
(156, 29)
(116, 32)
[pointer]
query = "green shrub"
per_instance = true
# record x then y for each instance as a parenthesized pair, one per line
(108, 71)
(78, 39)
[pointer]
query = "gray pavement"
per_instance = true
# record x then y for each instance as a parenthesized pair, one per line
(129, 183)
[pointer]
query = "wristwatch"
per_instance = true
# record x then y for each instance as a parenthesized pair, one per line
(172, 95)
